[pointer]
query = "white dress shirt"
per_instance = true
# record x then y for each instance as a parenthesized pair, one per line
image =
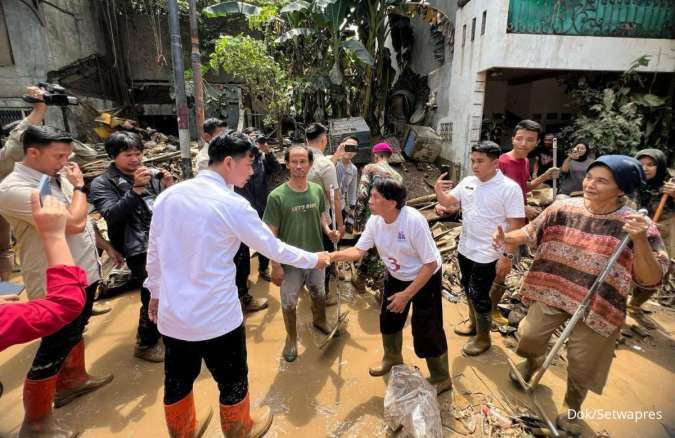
(197, 227)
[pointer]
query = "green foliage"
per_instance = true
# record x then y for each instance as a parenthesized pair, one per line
(247, 61)
(620, 115)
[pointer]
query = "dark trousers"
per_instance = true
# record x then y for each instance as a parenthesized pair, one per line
(54, 348)
(427, 315)
(225, 357)
(147, 334)
(263, 263)
(242, 263)
(477, 281)
(329, 246)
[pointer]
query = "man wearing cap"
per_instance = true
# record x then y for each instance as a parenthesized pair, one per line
(378, 169)
(575, 238)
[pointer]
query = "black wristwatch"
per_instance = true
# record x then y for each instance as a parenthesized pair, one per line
(80, 189)
(507, 255)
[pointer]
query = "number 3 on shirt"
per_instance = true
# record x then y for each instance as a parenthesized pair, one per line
(393, 264)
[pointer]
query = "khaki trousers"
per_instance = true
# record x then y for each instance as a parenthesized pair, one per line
(589, 354)
(6, 253)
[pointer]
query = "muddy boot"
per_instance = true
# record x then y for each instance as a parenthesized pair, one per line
(574, 397)
(319, 315)
(181, 419)
(393, 344)
(254, 304)
(73, 380)
(37, 402)
(527, 369)
(439, 373)
(637, 299)
(468, 328)
(481, 342)
(290, 352)
(154, 353)
(496, 294)
(238, 422)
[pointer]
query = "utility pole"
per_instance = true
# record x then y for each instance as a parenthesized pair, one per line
(197, 84)
(179, 84)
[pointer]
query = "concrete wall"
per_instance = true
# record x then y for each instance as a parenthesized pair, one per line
(67, 35)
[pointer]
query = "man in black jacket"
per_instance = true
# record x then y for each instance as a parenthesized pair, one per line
(124, 195)
(255, 191)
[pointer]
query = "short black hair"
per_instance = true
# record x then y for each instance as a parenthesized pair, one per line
(287, 154)
(529, 125)
(350, 137)
(261, 140)
(489, 148)
(315, 130)
(229, 144)
(121, 141)
(39, 137)
(249, 130)
(391, 190)
(211, 124)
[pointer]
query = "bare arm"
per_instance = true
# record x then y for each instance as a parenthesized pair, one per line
(646, 268)
(347, 255)
(443, 196)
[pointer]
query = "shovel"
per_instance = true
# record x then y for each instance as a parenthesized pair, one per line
(341, 318)
(579, 315)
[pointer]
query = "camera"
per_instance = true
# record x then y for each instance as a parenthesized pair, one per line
(55, 95)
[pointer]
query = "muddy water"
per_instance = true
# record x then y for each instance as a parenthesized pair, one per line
(329, 392)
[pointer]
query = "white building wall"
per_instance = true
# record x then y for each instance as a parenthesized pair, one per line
(498, 49)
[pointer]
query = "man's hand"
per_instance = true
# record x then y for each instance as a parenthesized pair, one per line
(503, 267)
(341, 229)
(141, 179)
(636, 226)
(339, 152)
(441, 211)
(264, 147)
(333, 235)
(50, 219)
(398, 301)
(152, 309)
(7, 299)
(73, 174)
(39, 94)
(552, 173)
(167, 180)
(324, 260)
(498, 239)
(443, 185)
(277, 274)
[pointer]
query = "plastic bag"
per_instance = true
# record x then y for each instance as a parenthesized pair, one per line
(410, 402)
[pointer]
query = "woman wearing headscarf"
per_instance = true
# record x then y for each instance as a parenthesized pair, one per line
(655, 167)
(657, 183)
(574, 168)
(575, 238)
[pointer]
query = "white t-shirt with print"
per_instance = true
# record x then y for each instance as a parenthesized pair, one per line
(404, 246)
(484, 206)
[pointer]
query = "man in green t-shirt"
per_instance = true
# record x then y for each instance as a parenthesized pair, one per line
(296, 214)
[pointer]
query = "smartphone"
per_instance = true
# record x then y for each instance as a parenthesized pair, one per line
(445, 169)
(351, 148)
(44, 188)
(160, 174)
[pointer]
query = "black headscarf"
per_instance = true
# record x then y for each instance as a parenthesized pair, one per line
(661, 170)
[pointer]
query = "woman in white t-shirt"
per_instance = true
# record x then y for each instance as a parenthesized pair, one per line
(405, 245)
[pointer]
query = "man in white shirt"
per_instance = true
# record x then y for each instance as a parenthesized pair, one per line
(197, 227)
(212, 128)
(405, 245)
(487, 199)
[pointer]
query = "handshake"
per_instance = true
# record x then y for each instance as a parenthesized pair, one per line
(324, 260)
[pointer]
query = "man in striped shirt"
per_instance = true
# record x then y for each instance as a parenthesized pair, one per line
(575, 239)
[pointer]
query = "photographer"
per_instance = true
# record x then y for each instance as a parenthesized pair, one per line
(124, 194)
